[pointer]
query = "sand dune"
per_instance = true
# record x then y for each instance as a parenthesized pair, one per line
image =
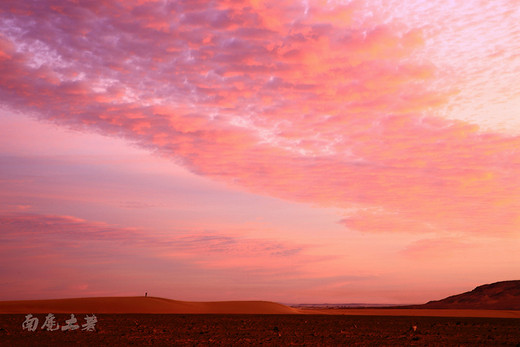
(142, 305)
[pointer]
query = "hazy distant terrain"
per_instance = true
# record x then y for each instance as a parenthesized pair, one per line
(339, 306)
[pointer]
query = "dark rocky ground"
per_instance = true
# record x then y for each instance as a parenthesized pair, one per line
(270, 330)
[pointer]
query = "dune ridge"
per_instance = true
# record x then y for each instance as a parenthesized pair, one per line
(140, 304)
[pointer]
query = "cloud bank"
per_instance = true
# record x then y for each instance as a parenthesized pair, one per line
(324, 103)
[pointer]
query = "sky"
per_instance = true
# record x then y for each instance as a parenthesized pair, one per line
(359, 151)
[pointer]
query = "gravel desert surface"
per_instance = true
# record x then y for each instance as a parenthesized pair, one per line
(269, 330)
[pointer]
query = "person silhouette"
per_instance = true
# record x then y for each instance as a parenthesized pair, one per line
(145, 294)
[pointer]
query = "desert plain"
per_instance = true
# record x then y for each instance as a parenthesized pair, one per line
(141, 321)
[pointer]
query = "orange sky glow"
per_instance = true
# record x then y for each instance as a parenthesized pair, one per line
(293, 151)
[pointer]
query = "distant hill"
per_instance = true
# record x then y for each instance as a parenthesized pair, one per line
(496, 296)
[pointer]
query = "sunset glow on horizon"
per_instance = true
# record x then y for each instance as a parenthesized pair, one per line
(293, 151)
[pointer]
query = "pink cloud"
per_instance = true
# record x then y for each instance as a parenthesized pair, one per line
(308, 105)
(71, 233)
(447, 247)
(59, 254)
